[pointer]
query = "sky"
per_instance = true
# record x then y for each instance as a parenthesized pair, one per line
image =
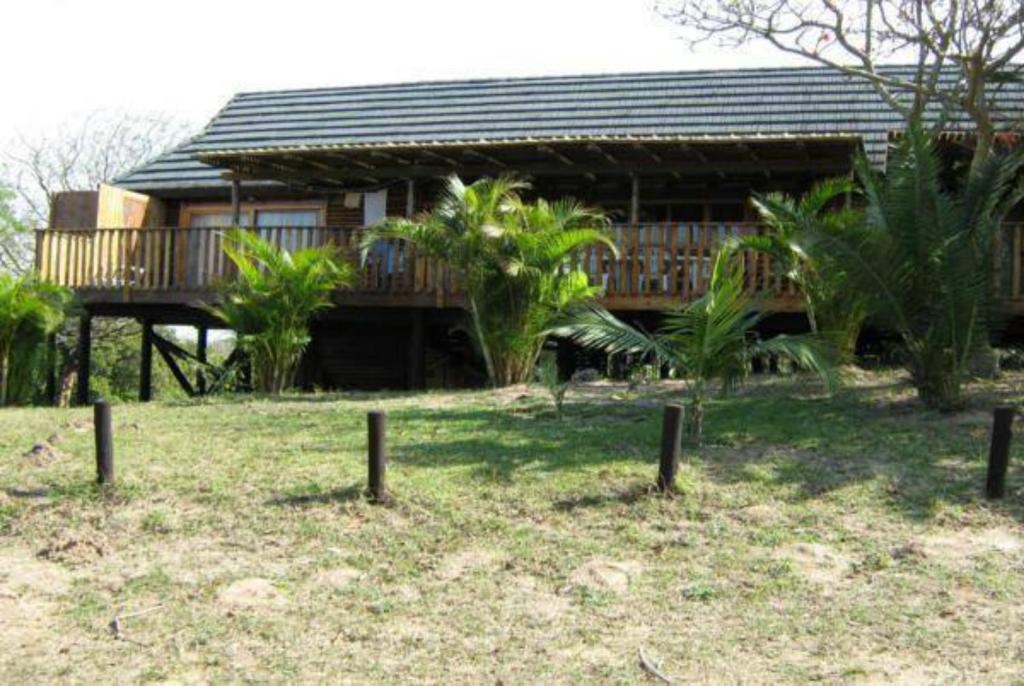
(62, 59)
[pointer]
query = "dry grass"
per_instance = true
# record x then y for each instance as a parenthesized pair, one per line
(839, 540)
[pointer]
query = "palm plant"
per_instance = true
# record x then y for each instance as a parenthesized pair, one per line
(710, 339)
(272, 301)
(924, 263)
(29, 307)
(513, 261)
(793, 227)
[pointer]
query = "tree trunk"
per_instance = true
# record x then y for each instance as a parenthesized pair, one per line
(484, 349)
(4, 367)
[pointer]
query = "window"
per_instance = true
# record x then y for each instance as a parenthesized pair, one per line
(264, 215)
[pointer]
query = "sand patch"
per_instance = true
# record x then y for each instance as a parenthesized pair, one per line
(526, 598)
(815, 562)
(337, 579)
(75, 549)
(960, 546)
(459, 564)
(606, 576)
(21, 573)
(251, 593)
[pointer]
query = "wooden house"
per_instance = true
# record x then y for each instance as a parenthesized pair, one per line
(674, 157)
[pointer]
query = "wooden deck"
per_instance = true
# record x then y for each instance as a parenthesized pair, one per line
(659, 265)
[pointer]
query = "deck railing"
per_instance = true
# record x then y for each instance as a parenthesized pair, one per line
(656, 262)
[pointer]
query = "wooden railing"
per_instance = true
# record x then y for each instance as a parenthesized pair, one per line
(657, 263)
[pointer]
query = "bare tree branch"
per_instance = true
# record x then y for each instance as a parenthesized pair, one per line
(959, 52)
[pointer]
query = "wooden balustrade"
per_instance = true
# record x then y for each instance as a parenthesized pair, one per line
(656, 264)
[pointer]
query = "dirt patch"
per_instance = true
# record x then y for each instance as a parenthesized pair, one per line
(251, 593)
(76, 549)
(606, 576)
(21, 573)
(461, 563)
(43, 455)
(815, 562)
(337, 579)
(537, 605)
(960, 546)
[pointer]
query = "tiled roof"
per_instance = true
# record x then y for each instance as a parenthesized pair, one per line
(696, 105)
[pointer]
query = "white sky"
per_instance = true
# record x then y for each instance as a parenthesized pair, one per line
(61, 59)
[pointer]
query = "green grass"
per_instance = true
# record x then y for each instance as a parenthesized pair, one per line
(838, 540)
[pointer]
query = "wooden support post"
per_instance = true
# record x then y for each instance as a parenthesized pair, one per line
(84, 355)
(378, 455)
(104, 442)
(999, 452)
(410, 197)
(51, 369)
(201, 339)
(671, 447)
(146, 363)
(634, 199)
(236, 202)
(415, 377)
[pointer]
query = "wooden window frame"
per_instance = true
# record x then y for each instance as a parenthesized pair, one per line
(188, 210)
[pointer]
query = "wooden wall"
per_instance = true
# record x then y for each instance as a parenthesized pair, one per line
(74, 210)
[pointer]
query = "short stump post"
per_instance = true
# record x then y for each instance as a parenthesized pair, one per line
(671, 447)
(999, 452)
(104, 442)
(378, 455)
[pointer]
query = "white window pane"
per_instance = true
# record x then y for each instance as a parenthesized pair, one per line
(219, 219)
(286, 217)
(375, 207)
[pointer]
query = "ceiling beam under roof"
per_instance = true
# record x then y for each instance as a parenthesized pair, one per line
(389, 157)
(347, 159)
(471, 152)
(721, 168)
(548, 150)
(451, 162)
(594, 147)
(647, 151)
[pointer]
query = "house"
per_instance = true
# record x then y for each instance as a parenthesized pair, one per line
(674, 157)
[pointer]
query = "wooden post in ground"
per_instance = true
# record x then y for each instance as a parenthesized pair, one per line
(415, 378)
(104, 442)
(201, 338)
(378, 455)
(999, 452)
(671, 447)
(84, 354)
(146, 363)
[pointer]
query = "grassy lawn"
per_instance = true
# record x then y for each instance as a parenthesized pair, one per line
(834, 540)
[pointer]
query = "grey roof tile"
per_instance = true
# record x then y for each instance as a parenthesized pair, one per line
(758, 102)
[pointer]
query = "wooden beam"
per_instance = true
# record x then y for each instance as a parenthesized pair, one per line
(707, 169)
(410, 197)
(634, 199)
(594, 147)
(236, 202)
(487, 158)
(146, 363)
(548, 150)
(350, 160)
(390, 157)
(694, 152)
(165, 348)
(647, 151)
(84, 357)
(201, 338)
(438, 156)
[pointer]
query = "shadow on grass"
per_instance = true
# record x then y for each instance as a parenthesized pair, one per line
(807, 445)
(305, 496)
